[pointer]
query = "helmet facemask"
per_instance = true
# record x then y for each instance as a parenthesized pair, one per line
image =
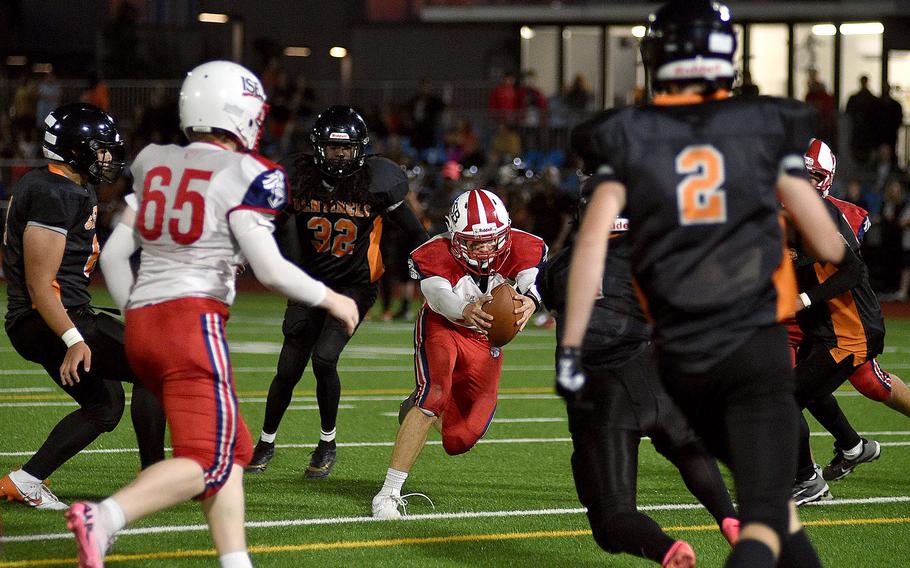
(339, 166)
(482, 252)
(109, 161)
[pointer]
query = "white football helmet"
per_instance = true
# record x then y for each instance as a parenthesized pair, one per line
(225, 96)
(481, 231)
(820, 163)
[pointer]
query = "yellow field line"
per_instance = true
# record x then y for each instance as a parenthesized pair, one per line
(357, 544)
(242, 393)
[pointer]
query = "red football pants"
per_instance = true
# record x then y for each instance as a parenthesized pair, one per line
(457, 378)
(179, 351)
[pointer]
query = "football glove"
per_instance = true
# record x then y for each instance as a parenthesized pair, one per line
(570, 379)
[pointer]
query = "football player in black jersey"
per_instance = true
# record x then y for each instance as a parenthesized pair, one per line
(622, 402)
(51, 251)
(699, 176)
(341, 199)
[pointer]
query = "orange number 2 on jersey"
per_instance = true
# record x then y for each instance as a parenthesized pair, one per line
(700, 195)
(345, 234)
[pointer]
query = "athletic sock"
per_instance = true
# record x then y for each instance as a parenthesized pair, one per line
(854, 452)
(750, 553)
(113, 517)
(327, 436)
(22, 477)
(235, 560)
(394, 480)
(268, 438)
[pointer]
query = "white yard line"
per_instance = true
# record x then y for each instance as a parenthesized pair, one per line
(283, 523)
(388, 444)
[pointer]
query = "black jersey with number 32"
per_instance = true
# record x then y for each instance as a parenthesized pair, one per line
(338, 236)
(701, 202)
(51, 201)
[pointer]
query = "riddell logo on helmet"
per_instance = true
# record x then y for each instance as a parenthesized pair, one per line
(339, 136)
(251, 88)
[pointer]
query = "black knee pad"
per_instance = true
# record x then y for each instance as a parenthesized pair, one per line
(606, 532)
(106, 416)
(767, 513)
(324, 367)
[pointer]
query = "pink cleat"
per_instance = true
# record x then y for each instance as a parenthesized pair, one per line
(680, 555)
(91, 543)
(730, 528)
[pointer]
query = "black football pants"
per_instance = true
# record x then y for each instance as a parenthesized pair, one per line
(99, 393)
(619, 407)
(744, 410)
(311, 331)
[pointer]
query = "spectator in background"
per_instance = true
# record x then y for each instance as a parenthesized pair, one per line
(862, 110)
(533, 101)
(818, 96)
(159, 122)
(890, 119)
(904, 289)
(97, 93)
(505, 145)
(25, 106)
(49, 96)
(578, 96)
(892, 233)
(463, 144)
(424, 112)
(504, 103)
(854, 193)
(882, 168)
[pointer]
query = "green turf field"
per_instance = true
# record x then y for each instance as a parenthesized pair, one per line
(508, 502)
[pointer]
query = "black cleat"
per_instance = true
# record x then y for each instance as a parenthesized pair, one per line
(406, 405)
(840, 467)
(321, 460)
(262, 455)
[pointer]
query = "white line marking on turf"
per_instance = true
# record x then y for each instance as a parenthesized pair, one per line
(27, 389)
(389, 444)
(316, 407)
(427, 517)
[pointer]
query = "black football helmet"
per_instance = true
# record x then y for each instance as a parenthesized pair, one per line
(339, 126)
(75, 134)
(689, 41)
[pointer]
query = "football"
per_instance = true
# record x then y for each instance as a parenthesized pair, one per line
(501, 306)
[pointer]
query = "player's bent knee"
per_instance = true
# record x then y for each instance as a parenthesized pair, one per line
(459, 442)
(873, 382)
(105, 417)
(325, 366)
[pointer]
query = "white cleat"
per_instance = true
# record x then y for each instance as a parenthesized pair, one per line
(35, 495)
(386, 505)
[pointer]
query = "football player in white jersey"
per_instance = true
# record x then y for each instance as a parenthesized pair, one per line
(457, 370)
(199, 211)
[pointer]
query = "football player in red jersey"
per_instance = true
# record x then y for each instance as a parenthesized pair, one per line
(837, 333)
(457, 370)
(707, 254)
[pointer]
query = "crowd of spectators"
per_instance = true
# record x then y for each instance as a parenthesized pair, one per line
(515, 146)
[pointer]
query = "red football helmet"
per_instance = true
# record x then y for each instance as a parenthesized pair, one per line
(481, 231)
(821, 164)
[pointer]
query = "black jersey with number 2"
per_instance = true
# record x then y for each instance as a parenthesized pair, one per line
(338, 231)
(703, 213)
(51, 201)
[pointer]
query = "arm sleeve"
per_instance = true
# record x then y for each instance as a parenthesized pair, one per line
(253, 232)
(288, 239)
(115, 263)
(403, 216)
(441, 299)
(849, 275)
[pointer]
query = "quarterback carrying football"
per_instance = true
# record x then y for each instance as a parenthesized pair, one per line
(457, 370)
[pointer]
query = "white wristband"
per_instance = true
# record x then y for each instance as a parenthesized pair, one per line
(805, 299)
(71, 337)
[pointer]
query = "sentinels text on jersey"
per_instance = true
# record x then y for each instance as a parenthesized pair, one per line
(339, 227)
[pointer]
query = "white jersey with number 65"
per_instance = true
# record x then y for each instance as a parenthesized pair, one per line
(184, 197)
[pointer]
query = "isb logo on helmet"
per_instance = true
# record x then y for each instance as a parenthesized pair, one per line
(252, 88)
